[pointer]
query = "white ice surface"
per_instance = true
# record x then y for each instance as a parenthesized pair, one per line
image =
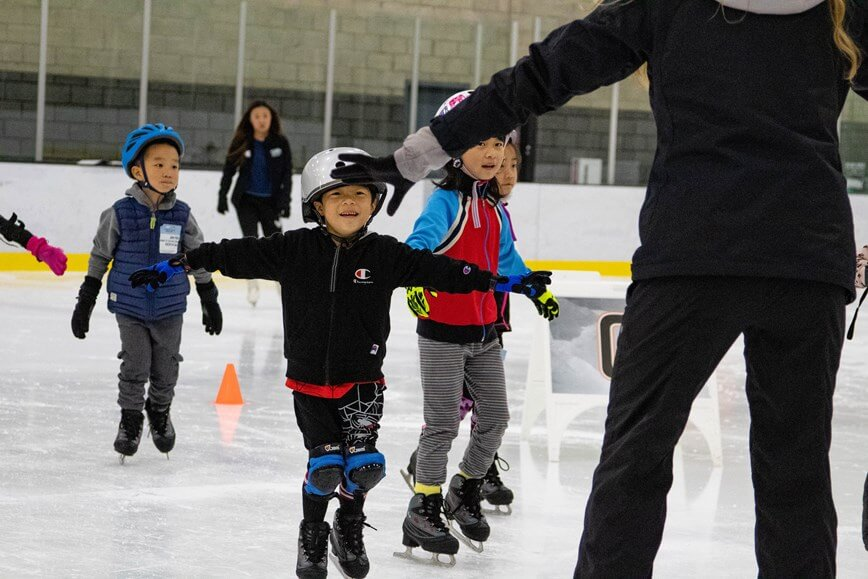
(67, 508)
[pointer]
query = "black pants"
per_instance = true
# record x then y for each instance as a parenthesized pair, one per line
(254, 211)
(675, 331)
(351, 419)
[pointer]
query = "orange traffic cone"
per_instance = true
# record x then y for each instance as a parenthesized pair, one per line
(230, 391)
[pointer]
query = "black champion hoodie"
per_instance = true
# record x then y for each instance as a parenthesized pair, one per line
(335, 299)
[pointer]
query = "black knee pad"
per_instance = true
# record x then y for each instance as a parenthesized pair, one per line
(325, 469)
(364, 467)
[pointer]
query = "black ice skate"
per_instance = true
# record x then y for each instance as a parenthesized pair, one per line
(494, 491)
(312, 562)
(409, 475)
(129, 433)
(423, 527)
(462, 506)
(160, 428)
(348, 547)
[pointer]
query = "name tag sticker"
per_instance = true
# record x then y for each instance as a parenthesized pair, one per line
(170, 238)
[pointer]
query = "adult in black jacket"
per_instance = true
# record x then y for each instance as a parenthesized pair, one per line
(746, 230)
(337, 283)
(261, 156)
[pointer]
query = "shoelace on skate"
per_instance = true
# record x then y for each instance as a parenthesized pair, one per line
(351, 529)
(159, 422)
(132, 427)
(472, 497)
(433, 510)
(314, 550)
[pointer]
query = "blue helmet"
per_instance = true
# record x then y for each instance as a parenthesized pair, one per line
(140, 138)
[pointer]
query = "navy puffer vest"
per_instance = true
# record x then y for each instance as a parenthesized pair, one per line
(143, 243)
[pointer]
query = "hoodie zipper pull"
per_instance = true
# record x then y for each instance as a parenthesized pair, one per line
(153, 220)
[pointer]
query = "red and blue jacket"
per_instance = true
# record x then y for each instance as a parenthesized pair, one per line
(471, 226)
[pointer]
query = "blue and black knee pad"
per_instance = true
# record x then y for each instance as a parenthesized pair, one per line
(325, 469)
(364, 467)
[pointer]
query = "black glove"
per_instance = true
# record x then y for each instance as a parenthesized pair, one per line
(285, 212)
(212, 316)
(13, 230)
(222, 204)
(158, 274)
(365, 169)
(87, 295)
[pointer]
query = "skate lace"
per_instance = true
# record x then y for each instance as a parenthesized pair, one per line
(493, 474)
(314, 549)
(130, 424)
(433, 508)
(472, 497)
(351, 529)
(158, 421)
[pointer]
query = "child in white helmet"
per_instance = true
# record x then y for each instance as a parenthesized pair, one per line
(337, 282)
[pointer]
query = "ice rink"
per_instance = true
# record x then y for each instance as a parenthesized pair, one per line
(231, 508)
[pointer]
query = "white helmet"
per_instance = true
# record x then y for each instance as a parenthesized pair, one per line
(316, 179)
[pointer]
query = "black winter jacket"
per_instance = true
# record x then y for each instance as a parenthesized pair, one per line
(747, 177)
(336, 300)
(279, 161)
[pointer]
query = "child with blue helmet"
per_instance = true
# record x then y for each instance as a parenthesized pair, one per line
(148, 224)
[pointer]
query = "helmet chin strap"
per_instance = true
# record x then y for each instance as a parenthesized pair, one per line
(146, 183)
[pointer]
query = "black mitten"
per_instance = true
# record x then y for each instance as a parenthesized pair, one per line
(87, 295)
(212, 315)
(13, 230)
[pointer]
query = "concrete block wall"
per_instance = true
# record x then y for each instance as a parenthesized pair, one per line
(94, 62)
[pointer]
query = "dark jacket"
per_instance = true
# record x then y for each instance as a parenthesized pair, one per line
(279, 160)
(336, 300)
(145, 238)
(747, 178)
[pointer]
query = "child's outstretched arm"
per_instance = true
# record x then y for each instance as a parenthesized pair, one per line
(245, 258)
(510, 263)
(413, 267)
(13, 230)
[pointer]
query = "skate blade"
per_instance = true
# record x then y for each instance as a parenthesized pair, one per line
(476, 546)
(121, 458)
(500, 510)
(433, 560)
(337, 563)
(408, 478)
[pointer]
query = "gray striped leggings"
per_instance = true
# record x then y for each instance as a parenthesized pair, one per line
(443, 368)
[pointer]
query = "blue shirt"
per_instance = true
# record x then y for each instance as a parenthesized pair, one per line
(260, 183)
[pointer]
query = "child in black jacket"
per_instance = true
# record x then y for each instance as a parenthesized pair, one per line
(337, 283)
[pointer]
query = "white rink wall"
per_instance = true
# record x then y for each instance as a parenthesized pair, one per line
(553, 222)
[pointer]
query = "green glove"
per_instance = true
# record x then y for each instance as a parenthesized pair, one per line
(547, 305)
(417, 302)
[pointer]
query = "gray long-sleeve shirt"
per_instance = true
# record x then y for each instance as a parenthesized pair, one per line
(107, 234)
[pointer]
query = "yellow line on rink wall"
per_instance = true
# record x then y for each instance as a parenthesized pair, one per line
(22, 261)
(608, 268)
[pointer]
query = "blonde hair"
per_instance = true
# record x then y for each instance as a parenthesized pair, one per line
(845, 44)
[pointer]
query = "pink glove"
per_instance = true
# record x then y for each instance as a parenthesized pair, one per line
(53, 256)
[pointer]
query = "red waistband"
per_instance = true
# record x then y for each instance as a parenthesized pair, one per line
(321, 391)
